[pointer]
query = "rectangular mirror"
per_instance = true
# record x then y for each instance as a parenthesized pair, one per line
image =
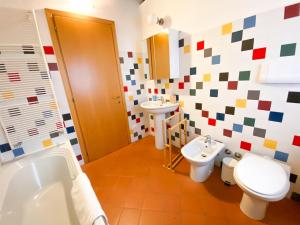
(163, 54)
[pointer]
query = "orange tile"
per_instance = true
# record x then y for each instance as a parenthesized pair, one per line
(151, 218)
(130, 217)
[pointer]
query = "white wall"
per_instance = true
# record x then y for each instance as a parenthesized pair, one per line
(123, 12)
(197, 15)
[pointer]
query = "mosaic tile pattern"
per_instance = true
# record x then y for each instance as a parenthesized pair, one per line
(222, 97)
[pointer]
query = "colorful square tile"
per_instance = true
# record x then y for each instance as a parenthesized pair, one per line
(282, 156)
(216, 59)
(241, 103)
(227, 28)
(292, 11)
(249, 22)
(288, 49)
(272, 144)
(275, 116)
(293, 97)
(206, 77)
(200, 45)
(245, 145)
(236, 36)
(259, 53)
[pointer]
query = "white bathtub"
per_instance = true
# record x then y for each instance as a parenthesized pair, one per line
(36, 190)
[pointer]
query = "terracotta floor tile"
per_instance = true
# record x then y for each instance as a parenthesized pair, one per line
(134, 188)
(129, 217)
(151, 218)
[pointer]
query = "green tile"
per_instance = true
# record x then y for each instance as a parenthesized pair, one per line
(244, 75)
(288, 50)
(192, 123)
(192, 92)
(249, 121)
(128, 77)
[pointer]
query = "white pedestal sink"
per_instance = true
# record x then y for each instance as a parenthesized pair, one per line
(159, 109)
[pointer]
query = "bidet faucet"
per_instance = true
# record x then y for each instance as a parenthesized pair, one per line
(161, 98)
(207, 139)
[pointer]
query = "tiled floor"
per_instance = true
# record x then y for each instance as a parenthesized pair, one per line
(134, 189)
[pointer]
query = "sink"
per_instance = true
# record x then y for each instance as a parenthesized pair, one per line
(159, 109)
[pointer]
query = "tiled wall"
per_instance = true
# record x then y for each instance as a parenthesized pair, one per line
(133, 67)
(220, 95)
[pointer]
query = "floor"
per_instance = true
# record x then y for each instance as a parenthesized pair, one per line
(134, 189)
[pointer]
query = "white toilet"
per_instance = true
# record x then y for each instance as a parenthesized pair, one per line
(201, 153)
(263, 180)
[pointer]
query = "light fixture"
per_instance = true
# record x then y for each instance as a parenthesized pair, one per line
(153, 19)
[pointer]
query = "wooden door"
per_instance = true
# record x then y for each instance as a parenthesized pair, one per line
(90, 57)
(159, 58)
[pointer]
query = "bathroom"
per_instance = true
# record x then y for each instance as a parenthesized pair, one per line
(149, 112)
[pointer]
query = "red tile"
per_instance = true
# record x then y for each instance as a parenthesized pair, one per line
(13, 77)
(130, 55)
(32, 100)
(186, 78)
(296, 140)
(264, 105)
(129, 113)
(149, 90)
(211, 122)
(227, 133)
(259, 53)
(245, 145)
(146, 129)
(205, 113)
(156, 91)
(125, 88)
(152, 129)
(79, 157)
(138, 120)
(48, 50)
(292, 11)
(232, 85)
(200, 45)
(53, 66)
(180, 85)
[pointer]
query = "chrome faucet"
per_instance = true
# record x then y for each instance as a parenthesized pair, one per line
(207, 139)
(162, 99)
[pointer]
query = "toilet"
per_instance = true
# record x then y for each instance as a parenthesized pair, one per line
(263, 180)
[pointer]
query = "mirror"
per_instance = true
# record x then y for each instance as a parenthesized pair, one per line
(163, 55)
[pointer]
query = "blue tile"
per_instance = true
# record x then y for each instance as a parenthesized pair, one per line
(186, 116)
(70, 129)
(193, 71)
(216, 59)
(249, 22)
(221, 116)
(133, 82)
(213, 92)
(5, 147)
(237, 128)
(18, 151)
(275, 116)
(135, 102)
(282, 156)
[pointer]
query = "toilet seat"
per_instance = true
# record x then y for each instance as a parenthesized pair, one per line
(261, 176)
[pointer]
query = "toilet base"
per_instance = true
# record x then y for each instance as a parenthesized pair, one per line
(201, 173)
(253, 207)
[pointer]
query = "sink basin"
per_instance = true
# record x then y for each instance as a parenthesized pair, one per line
(159, 109)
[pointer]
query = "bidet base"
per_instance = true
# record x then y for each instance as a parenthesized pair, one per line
(201, 173)
(253, 207)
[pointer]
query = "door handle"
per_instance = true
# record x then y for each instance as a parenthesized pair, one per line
(116, 97)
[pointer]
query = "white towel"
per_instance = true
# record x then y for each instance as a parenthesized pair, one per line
(86, 204)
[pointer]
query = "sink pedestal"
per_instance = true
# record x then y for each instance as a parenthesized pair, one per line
(158, 125)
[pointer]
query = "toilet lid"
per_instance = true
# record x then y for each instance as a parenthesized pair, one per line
(261, 175)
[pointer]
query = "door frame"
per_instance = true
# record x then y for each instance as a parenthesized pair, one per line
(65, 78)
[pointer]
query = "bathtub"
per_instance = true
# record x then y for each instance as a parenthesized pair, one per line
(36, 190)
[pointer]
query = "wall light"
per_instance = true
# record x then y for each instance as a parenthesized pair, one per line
(153, 19)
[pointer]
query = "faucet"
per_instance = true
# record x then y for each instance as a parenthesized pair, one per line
(161, 98)
(207, 139)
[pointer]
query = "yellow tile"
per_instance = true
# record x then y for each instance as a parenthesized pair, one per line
(131, 131)
(130, 98)
(227, 28)
(167, 85)
(270, 143)
(241, 103)
(8, 94)
(181, 104)
(187, 49)
(206, 77)
(139, 60)
(47, 143)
